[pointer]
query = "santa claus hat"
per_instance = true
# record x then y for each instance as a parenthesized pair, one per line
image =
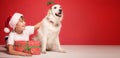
(12, 21)
(50, 3)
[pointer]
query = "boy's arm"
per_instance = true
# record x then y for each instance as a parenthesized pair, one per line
(13, 52)
(37, 25)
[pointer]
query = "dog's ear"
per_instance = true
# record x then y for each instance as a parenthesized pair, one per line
(49, 12)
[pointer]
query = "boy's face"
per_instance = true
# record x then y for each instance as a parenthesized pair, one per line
(20, 25)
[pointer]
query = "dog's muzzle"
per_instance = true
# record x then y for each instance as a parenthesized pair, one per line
(59, 14)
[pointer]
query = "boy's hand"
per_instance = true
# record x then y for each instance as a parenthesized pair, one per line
(37, 26)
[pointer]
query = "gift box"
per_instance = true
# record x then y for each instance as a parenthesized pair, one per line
(32, 47)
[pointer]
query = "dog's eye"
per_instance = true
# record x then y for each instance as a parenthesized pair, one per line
(55, 7)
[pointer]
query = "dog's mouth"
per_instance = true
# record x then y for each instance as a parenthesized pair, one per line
(59, 14)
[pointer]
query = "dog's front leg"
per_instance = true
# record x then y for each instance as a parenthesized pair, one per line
(58, 45)
(44, 42)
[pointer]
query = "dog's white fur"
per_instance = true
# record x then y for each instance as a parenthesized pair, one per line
(50, 28)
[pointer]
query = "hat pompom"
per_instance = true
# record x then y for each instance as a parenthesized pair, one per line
(6, 30)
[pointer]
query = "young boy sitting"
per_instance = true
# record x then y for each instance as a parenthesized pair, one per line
(19, 32)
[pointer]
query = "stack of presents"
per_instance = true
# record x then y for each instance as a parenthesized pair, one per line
(32, 47)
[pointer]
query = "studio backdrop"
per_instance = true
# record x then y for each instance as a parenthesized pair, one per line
(85, 22)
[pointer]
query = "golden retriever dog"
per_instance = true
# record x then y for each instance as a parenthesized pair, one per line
(48, 33)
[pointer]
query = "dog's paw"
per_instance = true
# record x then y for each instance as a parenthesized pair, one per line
(43, 52)
(62, 51)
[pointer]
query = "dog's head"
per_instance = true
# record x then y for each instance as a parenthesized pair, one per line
(55, 14)
(57, 10)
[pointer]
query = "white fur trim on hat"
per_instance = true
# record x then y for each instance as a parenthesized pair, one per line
(14, 20)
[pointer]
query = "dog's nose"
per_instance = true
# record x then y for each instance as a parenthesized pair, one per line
(60, 10)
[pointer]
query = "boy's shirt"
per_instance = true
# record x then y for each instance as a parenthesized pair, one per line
(13, 36)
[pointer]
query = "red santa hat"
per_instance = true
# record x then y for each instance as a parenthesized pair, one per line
(12, 21)
(6, 29)
(50, 3)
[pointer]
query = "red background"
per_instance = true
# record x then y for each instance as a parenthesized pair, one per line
(85, 21)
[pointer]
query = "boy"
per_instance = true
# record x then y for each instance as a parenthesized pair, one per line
(20, 32)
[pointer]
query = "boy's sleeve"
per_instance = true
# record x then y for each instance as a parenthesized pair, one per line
(29, 29)
(10, 39)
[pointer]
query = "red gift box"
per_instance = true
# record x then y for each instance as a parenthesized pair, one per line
(32, 47)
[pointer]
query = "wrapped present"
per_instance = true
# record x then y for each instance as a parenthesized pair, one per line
(32, 47)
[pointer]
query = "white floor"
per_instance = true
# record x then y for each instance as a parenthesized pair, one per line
(75, 51)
